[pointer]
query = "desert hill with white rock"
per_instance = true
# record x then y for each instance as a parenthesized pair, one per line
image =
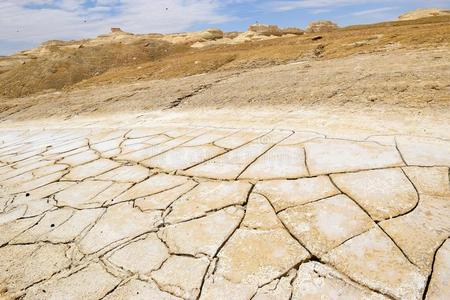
(121, 56)
(424, 13)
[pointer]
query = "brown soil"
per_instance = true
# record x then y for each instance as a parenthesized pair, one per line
(69, 68)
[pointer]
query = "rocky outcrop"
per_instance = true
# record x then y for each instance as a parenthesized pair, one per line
(292, 30)
(211, 34)
(273, 30)
(266, 30)
(53, 43)
(231, 35)
(194, 37)
(424, 13)
(321, 26)
(116, 30)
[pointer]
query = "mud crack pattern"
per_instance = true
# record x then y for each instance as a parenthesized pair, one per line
(222, 213)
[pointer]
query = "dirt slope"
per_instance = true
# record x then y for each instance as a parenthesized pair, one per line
(127, 58)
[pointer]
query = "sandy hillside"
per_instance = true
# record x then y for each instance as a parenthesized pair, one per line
(122, 57)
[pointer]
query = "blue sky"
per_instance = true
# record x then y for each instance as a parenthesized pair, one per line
(26, 23)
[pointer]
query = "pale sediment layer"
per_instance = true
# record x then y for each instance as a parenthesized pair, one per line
(168, 211)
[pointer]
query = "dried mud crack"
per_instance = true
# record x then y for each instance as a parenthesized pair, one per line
(288, 168)
(105, 203)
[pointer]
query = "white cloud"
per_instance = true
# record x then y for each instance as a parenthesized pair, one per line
(373, 11)
(287, 5)
(315, 4)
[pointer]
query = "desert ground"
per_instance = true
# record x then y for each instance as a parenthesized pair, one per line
(209, 165)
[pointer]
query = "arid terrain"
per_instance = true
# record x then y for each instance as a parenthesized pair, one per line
(268, 164)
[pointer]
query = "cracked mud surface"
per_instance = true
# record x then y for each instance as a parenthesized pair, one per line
(281, 175)
(208, 212)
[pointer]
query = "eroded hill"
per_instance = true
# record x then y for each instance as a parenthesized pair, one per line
(121, 57)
